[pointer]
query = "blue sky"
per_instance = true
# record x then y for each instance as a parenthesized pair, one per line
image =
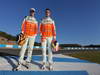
(77, 21)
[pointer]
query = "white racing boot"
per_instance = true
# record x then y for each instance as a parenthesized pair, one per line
(18, 68)
(50, 67)
(44, 66)
(26, 64)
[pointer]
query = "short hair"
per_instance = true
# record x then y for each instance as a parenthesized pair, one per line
(47, 9)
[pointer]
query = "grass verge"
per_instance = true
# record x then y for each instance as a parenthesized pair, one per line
(92, 56)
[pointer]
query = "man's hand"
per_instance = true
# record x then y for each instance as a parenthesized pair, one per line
(54, 37)
(22, 32)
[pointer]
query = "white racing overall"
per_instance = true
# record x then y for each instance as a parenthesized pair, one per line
(47, 33)
(28, 21)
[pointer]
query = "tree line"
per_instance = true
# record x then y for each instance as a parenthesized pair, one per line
(7, 36)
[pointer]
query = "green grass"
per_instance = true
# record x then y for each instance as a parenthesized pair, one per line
(92, 56)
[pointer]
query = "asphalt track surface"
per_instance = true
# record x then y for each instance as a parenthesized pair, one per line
(36, 51)
(63, 65)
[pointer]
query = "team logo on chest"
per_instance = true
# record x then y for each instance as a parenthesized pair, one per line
(47, 21)
(31, 19)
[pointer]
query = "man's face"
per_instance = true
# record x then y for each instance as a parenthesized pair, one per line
(48, 12)
(32, 13)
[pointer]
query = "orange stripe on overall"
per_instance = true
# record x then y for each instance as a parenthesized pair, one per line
(29, 28)
(47, 30)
